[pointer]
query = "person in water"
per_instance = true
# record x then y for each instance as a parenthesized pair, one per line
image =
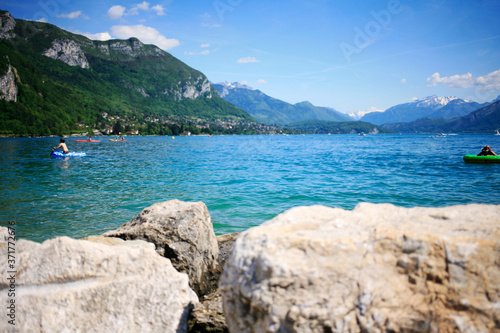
(63, 146)
(486, 151)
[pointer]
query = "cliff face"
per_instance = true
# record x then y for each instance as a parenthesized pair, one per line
(68, 52)
(198, 88)
(8, 88)
(160, 73)
(7, 24)
(132, 48)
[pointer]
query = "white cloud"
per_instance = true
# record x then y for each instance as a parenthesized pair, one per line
(261, 81)
(205, 52)
(42, 20)
(205, 45)
(403, 81)
(489, 81)
(160, 11)
(98, 36)
(144, 5)
(455, 81)
(211, 25)
(116, 12)
(247, 60)
(73, 15)
(147, 35)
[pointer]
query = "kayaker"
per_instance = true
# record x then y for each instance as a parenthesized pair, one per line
(63, 146)
(486, 151)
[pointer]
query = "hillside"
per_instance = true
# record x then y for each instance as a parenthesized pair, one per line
(270, 110)
(336, 127)
(431, 107)
(486, 119)
(55, 82)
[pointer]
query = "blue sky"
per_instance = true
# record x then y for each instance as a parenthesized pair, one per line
(349, 55)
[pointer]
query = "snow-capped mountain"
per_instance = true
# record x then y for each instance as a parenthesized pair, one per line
(434, 101)
(226, 86)
(431, 106)
(360, 113)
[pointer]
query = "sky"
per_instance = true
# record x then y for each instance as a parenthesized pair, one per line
(348, 55)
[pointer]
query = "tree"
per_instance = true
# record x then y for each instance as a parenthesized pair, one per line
(117, 127)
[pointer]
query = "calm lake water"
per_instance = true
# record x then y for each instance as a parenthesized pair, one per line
(243, 180)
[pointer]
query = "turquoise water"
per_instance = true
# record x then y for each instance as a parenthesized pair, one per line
(243, 180)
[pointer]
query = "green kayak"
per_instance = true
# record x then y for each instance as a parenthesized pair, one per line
(481, 159)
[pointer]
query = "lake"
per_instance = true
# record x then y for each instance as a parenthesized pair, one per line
(243, 180)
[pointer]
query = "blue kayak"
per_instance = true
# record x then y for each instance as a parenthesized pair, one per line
(57, 153)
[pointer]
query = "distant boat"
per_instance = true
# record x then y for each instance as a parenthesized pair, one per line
(362, 134)
(497, 133)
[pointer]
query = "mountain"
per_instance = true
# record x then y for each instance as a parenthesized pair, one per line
(270, 110)
(486, 119)
(432, 107)
(336, 127)
(53, 81)
(357, 115)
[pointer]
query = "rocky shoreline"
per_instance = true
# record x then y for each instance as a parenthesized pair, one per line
(377, 268)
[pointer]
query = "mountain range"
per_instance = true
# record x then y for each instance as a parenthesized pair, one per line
(52, 81)
(429, 107)
(273, 111)
(485, 119)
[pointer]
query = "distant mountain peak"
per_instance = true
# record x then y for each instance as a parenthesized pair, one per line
(235, 85)
(434, 101)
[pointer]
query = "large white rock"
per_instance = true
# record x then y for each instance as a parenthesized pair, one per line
(67, 285)
(183, 232)
(377, 268)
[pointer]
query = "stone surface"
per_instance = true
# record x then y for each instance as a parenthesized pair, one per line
(182, 232)
(377, 268)
(7, 24)
(208, 315)
(226, 243)
(8, 87)
(120, 242)
(67, 285)
(69, 52)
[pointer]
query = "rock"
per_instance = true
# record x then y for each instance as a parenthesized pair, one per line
(120, 242)
(7, 25)
(4, 236)
(226, 246)
(208, 315)
(8, 87)
(182, 232)
(377, 268)
(67, 285)
(69, 52)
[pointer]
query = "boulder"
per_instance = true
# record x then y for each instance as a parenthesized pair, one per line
(182, 232)
(68, 285)
(377, 268)
(112, 241)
